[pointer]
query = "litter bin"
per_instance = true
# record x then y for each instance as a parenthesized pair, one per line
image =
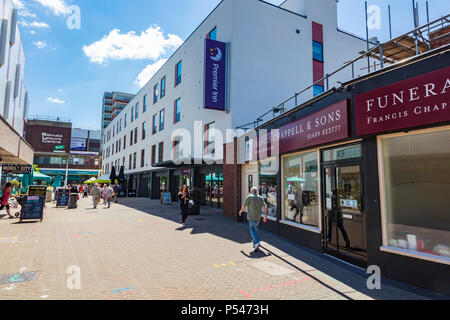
(73, 201)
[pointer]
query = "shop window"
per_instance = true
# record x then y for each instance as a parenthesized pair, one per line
(300, 189)
(416, 190)
(268, 170)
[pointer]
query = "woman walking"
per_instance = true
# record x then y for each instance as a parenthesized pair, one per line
(184, 198)
(104, 194)
(6, 194)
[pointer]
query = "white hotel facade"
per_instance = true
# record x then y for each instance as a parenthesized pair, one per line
(273, 52)
(14, 102)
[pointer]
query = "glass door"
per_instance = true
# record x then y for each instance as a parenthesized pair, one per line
(344, 229)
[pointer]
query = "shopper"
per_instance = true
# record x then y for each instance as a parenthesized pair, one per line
(104, 193)
(184, 198)
(86, 190)
(96, 193)
(4, 200)
(109, 195)
(254, 203)
(116, 193)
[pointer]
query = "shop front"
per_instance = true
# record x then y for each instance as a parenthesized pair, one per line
(364, 173)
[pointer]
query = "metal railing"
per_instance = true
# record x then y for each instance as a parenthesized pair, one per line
(380, 51)
(49, 118)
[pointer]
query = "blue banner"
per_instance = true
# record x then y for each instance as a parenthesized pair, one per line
(215, 74)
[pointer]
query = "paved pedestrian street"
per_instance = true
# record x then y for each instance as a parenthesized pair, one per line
(138, 250)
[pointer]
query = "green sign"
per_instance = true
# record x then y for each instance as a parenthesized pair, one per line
(59, 148)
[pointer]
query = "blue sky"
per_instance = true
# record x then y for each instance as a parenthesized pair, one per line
(68, 70)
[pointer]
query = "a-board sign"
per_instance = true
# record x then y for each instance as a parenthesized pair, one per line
(167, 198)
(32, 208)
(62, 197)
(40, 191)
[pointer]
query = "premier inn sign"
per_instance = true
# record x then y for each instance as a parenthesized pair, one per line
(414, 102)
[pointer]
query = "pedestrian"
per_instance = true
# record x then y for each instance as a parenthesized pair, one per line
(4, 200)
(116, 193)
(96, 193)
(254, 203)
(104, 194)
(184, 198)
(109, 195)
(86, 190)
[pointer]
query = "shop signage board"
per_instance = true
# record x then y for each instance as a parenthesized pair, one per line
(16, 169)
(215, 75)
(413, 102)
(167, 198)
(62, 197)
(40, 191)
(327, 125)
(32, 208)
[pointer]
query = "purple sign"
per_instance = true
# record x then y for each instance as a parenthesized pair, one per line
(327, 125)
(215, 74)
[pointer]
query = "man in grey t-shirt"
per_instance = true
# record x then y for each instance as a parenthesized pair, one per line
(254, 203)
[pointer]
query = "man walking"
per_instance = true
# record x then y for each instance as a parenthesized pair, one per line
(116, 193)
(109, 195)
(254, 203)
(96, 193)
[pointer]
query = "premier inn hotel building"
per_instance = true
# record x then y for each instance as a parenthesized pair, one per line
(363, 172)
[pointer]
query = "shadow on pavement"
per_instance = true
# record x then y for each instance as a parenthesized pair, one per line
(213, 222)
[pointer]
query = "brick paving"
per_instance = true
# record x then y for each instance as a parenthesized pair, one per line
(136, 250)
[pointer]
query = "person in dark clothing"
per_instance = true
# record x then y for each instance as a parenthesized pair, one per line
(340, 222)
(184, 197)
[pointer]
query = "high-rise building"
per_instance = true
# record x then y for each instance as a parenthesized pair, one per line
(14, 100)
(112, 104)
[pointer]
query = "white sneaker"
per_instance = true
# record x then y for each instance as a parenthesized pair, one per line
(257, 246)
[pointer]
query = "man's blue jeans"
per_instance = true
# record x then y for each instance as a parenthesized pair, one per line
(254, 225)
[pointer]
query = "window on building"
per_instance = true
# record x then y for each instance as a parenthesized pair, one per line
(120, 144)
(210, 139)
(416, 187)
(317, 89)
(132, 114)
(136, 114)
(124, 142)
(163, 87)
(135, 135)
(155, 93)
(123, 162)
(161, 152)
(130, 163)
(176, 148)
(178, 73)
(212, 34)
(134, 160)
(317, 51)
(144, 130)
(155, 124)
(125, 120)
(131, 137)
(268, 170)
(144, 104)
(300, 189)
(153, 154)
(177, 111)
(161, 120)
(142, 158)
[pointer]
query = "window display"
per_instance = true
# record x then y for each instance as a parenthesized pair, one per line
(301, 189)
(268, 170)
(417, 188)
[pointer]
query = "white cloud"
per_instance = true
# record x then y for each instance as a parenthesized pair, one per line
(60, 90)
(18, 4)
(56, 100)
(149, 72)
(59, 7)
(22, 9)
(40, 44)
(34, 24)
(32, 32)
(150, 44)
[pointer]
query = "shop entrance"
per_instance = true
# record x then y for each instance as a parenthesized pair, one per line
(343, 215)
